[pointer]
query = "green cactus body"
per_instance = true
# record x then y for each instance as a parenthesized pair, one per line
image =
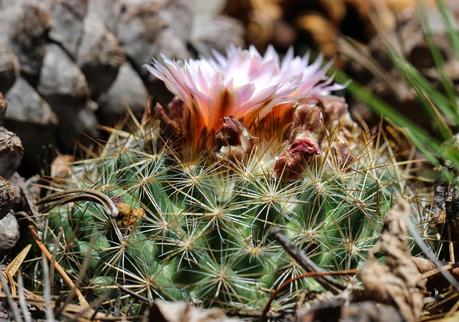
(197, 194)
(202, 229)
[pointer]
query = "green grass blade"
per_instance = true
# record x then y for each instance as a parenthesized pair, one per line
(432, 149)
(423, 141)
(437, 57)
(427, 94)
(450, 25)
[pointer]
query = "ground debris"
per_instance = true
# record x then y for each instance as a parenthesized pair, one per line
(163, 311)
(367, 311)
(445, 219)
(397, 281)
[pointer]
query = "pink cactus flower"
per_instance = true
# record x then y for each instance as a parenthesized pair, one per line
(242, 84)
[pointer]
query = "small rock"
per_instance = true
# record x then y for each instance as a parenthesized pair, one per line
(11, 152)
(127, 92)
(9, 197)
(32, 189)
(4, 316)
(9, 232)
(17, 181)
(99, 55)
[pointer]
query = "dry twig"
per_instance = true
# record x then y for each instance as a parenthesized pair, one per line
(57, 266)
(306, 263)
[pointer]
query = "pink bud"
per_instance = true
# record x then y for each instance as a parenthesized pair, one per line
(293, 161)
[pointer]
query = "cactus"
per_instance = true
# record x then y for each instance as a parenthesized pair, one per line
(197, 197)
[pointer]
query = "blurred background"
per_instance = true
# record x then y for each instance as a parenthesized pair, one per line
(69, 66)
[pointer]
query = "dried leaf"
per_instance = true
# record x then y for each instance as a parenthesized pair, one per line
(16, 263)
(163, 311)
(433, 275)
(334, 309)
(61, 167)
(397, 281)
(423, 265)
(452, 318)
